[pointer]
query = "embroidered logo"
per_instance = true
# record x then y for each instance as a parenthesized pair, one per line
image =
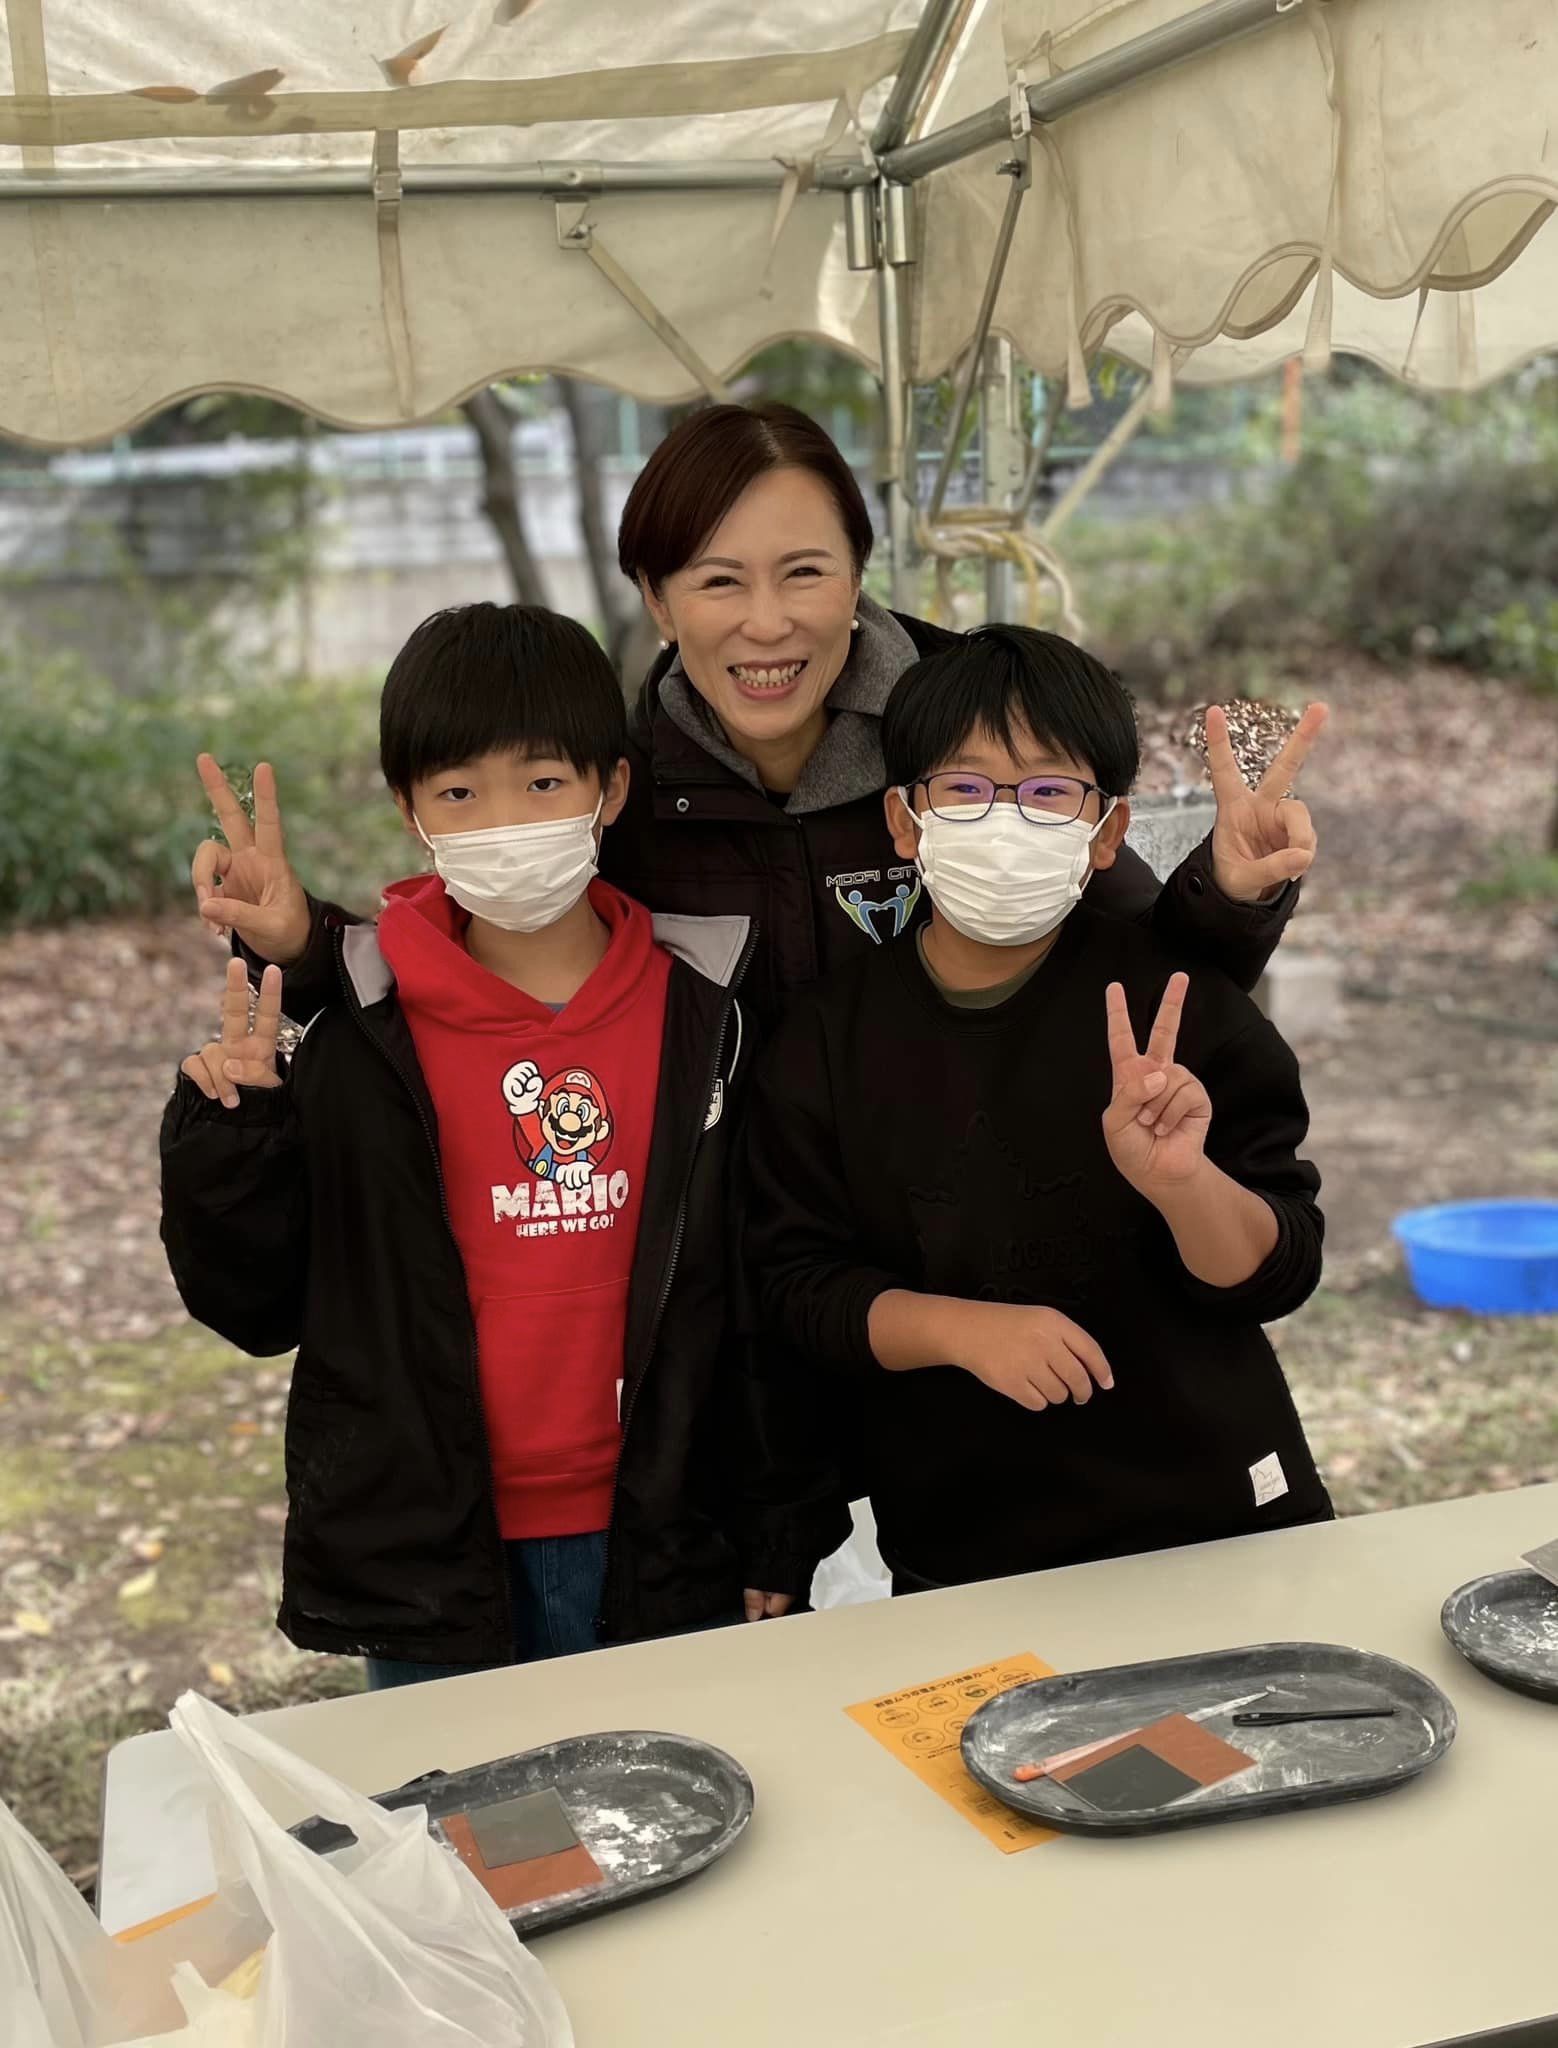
(716, 1107)
(878, 919)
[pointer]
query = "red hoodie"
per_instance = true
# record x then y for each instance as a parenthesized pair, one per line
(543, 1130)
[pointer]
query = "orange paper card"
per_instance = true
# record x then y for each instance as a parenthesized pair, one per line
(923, 1725)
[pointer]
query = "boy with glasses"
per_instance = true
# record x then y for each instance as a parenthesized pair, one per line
(1022, 1180)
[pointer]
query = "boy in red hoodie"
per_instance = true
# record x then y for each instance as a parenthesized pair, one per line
(486, 1199)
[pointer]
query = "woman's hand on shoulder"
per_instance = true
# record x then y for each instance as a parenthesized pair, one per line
(1264, 837)
(244, 882)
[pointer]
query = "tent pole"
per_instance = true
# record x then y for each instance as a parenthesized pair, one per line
(1000, 464)
(578, 180)
(1020, 170)
(900, 457)
(1144, 56)
(918, 75)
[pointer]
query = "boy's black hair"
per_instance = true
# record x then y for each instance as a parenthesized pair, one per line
(1000, 678)
(499, 678)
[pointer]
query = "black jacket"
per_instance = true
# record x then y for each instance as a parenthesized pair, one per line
(899, 1142)
(313, 1215)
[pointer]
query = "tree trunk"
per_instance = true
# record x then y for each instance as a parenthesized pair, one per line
(502, 499)
(617, 603)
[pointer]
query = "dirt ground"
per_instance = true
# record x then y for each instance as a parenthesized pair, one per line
(141, 1499)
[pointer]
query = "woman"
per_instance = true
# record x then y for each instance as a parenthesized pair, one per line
(757, 773)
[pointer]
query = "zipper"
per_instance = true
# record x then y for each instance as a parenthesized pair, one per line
(630, 1400)
(810, 878)
(443, 1203)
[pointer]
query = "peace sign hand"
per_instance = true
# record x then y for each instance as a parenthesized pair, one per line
(1263, 838)
(244, 1056)
(247, 885)
(1159, 1114)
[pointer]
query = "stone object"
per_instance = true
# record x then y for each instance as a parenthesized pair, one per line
(1302, 995)
(1163, 829)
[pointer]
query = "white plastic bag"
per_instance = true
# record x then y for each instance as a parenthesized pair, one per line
(65, 1984)
(394, 1945)
(855, 1572)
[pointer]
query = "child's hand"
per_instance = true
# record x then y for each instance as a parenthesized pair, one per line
(1159, 1115)
(240, 1058)
(1034, 1356)
(765, 1606)
(248, 886)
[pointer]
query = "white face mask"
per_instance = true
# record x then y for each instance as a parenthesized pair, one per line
(999, 879)
(519, 877)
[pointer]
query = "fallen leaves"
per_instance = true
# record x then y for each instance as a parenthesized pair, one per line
(399, 69)
(33, 1624)
(140, 1586)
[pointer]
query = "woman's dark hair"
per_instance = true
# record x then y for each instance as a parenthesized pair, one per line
(499, 678)
(998, 679)
(701, 468)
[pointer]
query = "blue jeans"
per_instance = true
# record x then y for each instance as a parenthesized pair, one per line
(554, 1596)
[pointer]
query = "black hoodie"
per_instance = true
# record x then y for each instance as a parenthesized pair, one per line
(898, 1142)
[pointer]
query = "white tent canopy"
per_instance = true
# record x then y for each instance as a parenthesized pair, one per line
(371, 210)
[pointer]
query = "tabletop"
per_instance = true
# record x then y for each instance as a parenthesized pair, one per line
(861, 1909)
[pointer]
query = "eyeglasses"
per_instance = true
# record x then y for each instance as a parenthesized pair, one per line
(964, 799)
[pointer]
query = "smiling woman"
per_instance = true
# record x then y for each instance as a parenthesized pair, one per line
(757, 776)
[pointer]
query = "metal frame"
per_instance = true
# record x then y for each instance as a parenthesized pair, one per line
(1019, 169)
(1144, 56)
(898, 160)
(939, 26)
(878, 188)
(538, 181)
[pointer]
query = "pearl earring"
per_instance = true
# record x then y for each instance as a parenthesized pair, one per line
(854, 625)
(664, 644)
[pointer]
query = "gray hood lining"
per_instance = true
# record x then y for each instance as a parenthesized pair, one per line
(711, 946)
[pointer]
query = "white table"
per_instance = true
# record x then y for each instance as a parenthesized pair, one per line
(862, 1912)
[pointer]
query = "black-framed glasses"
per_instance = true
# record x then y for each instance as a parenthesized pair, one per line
(963, 799)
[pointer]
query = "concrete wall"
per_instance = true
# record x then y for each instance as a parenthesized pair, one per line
(398, 532)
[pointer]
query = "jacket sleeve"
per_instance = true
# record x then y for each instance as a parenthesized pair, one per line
(1259, 1120)
(1191, 915)
(812, 1280)
(235, 1214)
(310, 984)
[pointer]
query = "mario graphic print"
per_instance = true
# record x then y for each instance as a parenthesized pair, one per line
(563, 1126)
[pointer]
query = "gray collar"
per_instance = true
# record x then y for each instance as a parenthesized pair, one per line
(848, 762)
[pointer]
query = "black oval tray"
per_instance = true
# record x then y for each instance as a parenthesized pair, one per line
(1507, 1625)
(653, 1810)
(1315, 1763)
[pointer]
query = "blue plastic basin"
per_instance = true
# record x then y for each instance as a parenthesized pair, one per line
(1500, 1258)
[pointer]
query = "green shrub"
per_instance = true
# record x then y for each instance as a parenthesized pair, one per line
(101, 808)
(1409, 528)
(1520, 875)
